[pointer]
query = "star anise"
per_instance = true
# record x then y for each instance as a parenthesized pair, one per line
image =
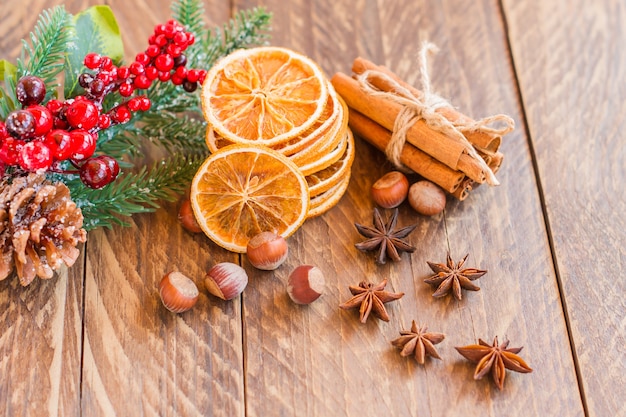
(494, 357)
(418, 342)
(369, 297)
(385, 237)
(451, 278)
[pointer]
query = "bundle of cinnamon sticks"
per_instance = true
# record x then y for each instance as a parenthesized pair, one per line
(455, 165)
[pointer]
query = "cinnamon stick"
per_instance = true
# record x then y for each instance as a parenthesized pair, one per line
(384, 112)
(418, 161)
(481, 140)
(464, 189)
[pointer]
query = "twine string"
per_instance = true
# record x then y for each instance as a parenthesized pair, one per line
(423, 107)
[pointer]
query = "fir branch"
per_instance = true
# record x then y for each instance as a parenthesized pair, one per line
(248, 28)
(174, 132)
(48, 44)
(189, 14)
(134, 192)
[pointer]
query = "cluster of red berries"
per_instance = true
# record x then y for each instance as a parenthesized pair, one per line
(41, 137)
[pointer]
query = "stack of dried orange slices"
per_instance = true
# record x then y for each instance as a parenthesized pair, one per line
(280, 143)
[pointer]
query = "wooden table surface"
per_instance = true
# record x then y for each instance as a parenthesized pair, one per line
(96, 341)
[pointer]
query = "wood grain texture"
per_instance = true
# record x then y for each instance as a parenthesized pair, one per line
(319, 360)
(41, 336)
(571, 75)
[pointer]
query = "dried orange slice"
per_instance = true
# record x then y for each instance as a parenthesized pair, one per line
(322, 203)
(325, 179)
(241, 191)
(265, 95)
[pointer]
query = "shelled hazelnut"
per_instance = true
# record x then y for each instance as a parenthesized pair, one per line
(267, 251)
(178, 292)
(226, 280)
(427, 198)
(187, 218)
(390, 190)
(306, 284)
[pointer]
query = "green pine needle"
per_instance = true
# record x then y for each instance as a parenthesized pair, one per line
(175, 132)
(189, 14)
(134, 192)
(49, 41)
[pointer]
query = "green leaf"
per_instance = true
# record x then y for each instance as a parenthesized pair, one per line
(7, 70)
(95, 30)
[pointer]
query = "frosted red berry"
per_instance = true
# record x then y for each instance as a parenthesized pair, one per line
(84, 144)
(114, 167)
(34, 156)
(82, 114)
(43, 119)
(9, 150)
(20, 124)
(63, 145)
(30, 90)
(92, 61)
(95, 173)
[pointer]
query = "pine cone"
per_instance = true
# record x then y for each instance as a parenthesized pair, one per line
(40, 227)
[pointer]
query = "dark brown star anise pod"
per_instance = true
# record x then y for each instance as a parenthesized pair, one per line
(451, 278)
(369, 297)
(495, 358)
(418, 342)
(385, 237)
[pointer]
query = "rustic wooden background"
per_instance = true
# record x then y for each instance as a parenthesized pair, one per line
(97, 341)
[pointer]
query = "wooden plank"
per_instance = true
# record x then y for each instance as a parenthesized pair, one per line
(140, 359)
(571, 74)
(41, 337)
(318, 360)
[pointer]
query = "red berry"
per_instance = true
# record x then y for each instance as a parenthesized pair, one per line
(153, 51)
(105, 77)
(142, 82)
(114, 167)
(152, 73)
(180, 39)
(9, 150)
(95, 173)
(35, 155)
(126, 89)
(134, 104)
(164, 62)
(63, 144)
(104, 121)
(174, 50)
(190, 38)
(20, 124)
(123, 73)
(180, 60)
(82, 114)
(169, 31)
(159, 29)
(96, 88)
(121, 114)
(92, 60)
(30, 90)
(193, 75)
(160, 41)
(202, 76)
(43, 119)
(145, 103)
(176, 80)
(3, 131)
(106, 63)
(136, 68)
(142, 58)
(84, 144)
(181, 72)
(164, 76)
(54, 106)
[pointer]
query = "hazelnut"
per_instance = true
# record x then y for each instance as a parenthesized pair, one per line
(390, 190)
(186, 217)
(226, 280)
(267, 251)
(426, 198)
(306, 284)
(178, 293)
